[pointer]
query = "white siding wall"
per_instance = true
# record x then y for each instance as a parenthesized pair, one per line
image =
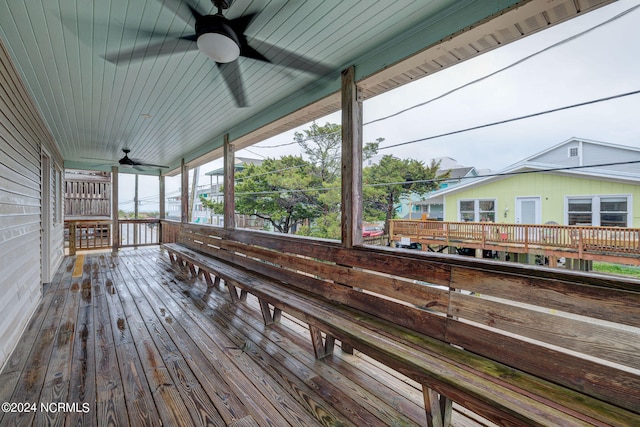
(22, 137)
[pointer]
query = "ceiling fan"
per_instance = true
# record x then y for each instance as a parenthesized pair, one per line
(221, 39)
(127, 162)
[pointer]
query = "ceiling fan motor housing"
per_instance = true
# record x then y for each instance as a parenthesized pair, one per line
(222, 4)
(216, 38)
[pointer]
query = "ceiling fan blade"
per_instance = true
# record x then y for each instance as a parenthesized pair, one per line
(249, 52)
(231, 74)
(149, 165)
(289, 59)
(240, 24)
(166, 47)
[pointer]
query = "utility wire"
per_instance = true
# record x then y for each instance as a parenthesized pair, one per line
(514, 64)
(436, 180)
(501, 122)
(478, 80)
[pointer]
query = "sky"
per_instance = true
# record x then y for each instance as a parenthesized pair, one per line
(591, 57)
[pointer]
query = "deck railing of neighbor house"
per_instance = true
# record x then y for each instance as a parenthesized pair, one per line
(564, 240)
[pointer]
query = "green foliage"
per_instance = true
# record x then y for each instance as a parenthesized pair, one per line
(322, 147)
(282, 191)
(216, 207)
(617, 269)
(389, 180)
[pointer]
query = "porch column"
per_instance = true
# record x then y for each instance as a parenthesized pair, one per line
(184, 192)
(351, 160)
(229, 184)
(163, 213)
(115, 225)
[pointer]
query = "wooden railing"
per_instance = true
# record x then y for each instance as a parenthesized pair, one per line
(139, 232)
(87, 235)
(576, 239)
(98, 234)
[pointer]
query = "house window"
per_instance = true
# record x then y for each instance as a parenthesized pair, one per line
(580, 211)
(573, 152)
(605, 211)
(613, 211)
(477, 210)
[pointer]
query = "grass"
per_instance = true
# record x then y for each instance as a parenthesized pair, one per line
(618, 269)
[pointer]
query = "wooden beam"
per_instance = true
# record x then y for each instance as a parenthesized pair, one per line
(184, 193)
(351, 160)
(229, 184)
(115, 226)
(163, 213)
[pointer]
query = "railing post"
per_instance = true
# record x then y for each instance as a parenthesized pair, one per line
(72, 238)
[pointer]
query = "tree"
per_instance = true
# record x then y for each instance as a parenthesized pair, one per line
(322, 147)
(283, 192)
(389, 180)
(215, 207)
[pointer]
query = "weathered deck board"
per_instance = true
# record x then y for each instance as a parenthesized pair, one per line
(139, 344)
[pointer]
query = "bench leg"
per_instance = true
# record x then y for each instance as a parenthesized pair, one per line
(172, 258)
(233, 292)
(269, 316)
(207, 278)
(347, 348)
(437, 407)
(192, 269)
(321, 348)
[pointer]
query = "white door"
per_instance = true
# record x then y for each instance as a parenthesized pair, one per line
(528, 210)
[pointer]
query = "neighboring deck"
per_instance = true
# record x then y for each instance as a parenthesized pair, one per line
(126, 339)
(610, 244)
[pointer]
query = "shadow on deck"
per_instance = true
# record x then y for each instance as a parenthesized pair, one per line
(127, 339)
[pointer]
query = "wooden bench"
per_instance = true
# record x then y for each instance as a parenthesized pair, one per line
(520, 345)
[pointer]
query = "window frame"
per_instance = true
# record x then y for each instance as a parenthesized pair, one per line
(476, 208)
(596, 208)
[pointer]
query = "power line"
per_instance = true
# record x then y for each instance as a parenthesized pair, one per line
(436, 180)
(480, 79)
(518, 62)
(501, 122)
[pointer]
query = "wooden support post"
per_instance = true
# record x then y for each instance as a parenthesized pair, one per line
(351, 160)
(184, 192)
(438, 408)
(229, 184)
(72, 238)
(322, 348)
(163, 213)
(115, 225)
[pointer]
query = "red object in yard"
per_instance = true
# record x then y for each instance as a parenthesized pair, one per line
(372, 231)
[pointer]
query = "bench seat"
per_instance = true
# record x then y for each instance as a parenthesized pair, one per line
(501, 393)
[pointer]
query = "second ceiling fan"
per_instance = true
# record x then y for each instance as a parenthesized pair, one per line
(221, 39)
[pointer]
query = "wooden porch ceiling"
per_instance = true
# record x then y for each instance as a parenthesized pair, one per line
(176, 106)
(128, 340)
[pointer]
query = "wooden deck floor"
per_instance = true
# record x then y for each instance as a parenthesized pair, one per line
(126, 339)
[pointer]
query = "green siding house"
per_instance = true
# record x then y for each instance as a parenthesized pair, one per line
(577, 182)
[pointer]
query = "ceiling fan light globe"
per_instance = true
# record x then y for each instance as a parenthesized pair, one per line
(218, 47)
